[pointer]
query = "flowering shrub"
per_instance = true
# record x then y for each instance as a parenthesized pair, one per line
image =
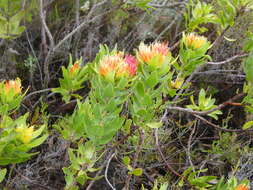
(16, 137)
(145, 115)
(117, 79)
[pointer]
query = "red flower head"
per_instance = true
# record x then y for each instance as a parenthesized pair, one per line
(132, 64)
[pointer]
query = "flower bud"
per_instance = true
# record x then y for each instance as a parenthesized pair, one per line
(74, 68)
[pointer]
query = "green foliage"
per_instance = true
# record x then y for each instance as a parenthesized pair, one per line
(228, 10)
(2, 174)
(12, 15)
(122, 99)
(192, 53)
(231, 184)
(131, 170)
(204, 104)
(73, 78)
(163, 186)
(148, 92)
(223, 149)
(82, 161)
(16, 139)
(141, 4)
(192, 176)
(16, 136)
(210, 182)
(248, 44)
(248, 87)
(10, 96)
(199, 13)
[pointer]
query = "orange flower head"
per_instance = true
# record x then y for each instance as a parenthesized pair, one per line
(242, 187)
(160, 48)
(74, 68)
(195, 41)
(110, 63)
(13, 85)
(147, 53)
(118, 64)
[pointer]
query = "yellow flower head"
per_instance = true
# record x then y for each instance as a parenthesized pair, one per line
(118, 64)
(242, 187)
(195, 41)
(177, 83)
(13, 85)
(147, 52)
(25, 134)
(74, 68)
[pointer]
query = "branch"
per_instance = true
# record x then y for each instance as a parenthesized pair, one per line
(171, 5)
(220, 128)
(99, 172)
(53, 49)
(106, 171)
(162, 155)
(228, 60)
(36, 92)
(136, 155)
(42, 18)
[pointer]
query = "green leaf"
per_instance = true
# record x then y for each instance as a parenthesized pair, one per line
(248, 68)
(247, 125)
(137, 172)
(89, 150)
(202, 97)
(155, 125)
(38, 141)
(164, 186)
(2, 174)
(38, 132)
(108, 91)
(140, 89)
(126, 160)
(248, 44)
(81, 177)
(152, 80)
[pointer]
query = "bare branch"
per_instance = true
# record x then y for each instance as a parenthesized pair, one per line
(228, 60)
(52, 50)
(162, 155)
(106, 171)
(220, 128)
(43, 21)
(172, 5)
